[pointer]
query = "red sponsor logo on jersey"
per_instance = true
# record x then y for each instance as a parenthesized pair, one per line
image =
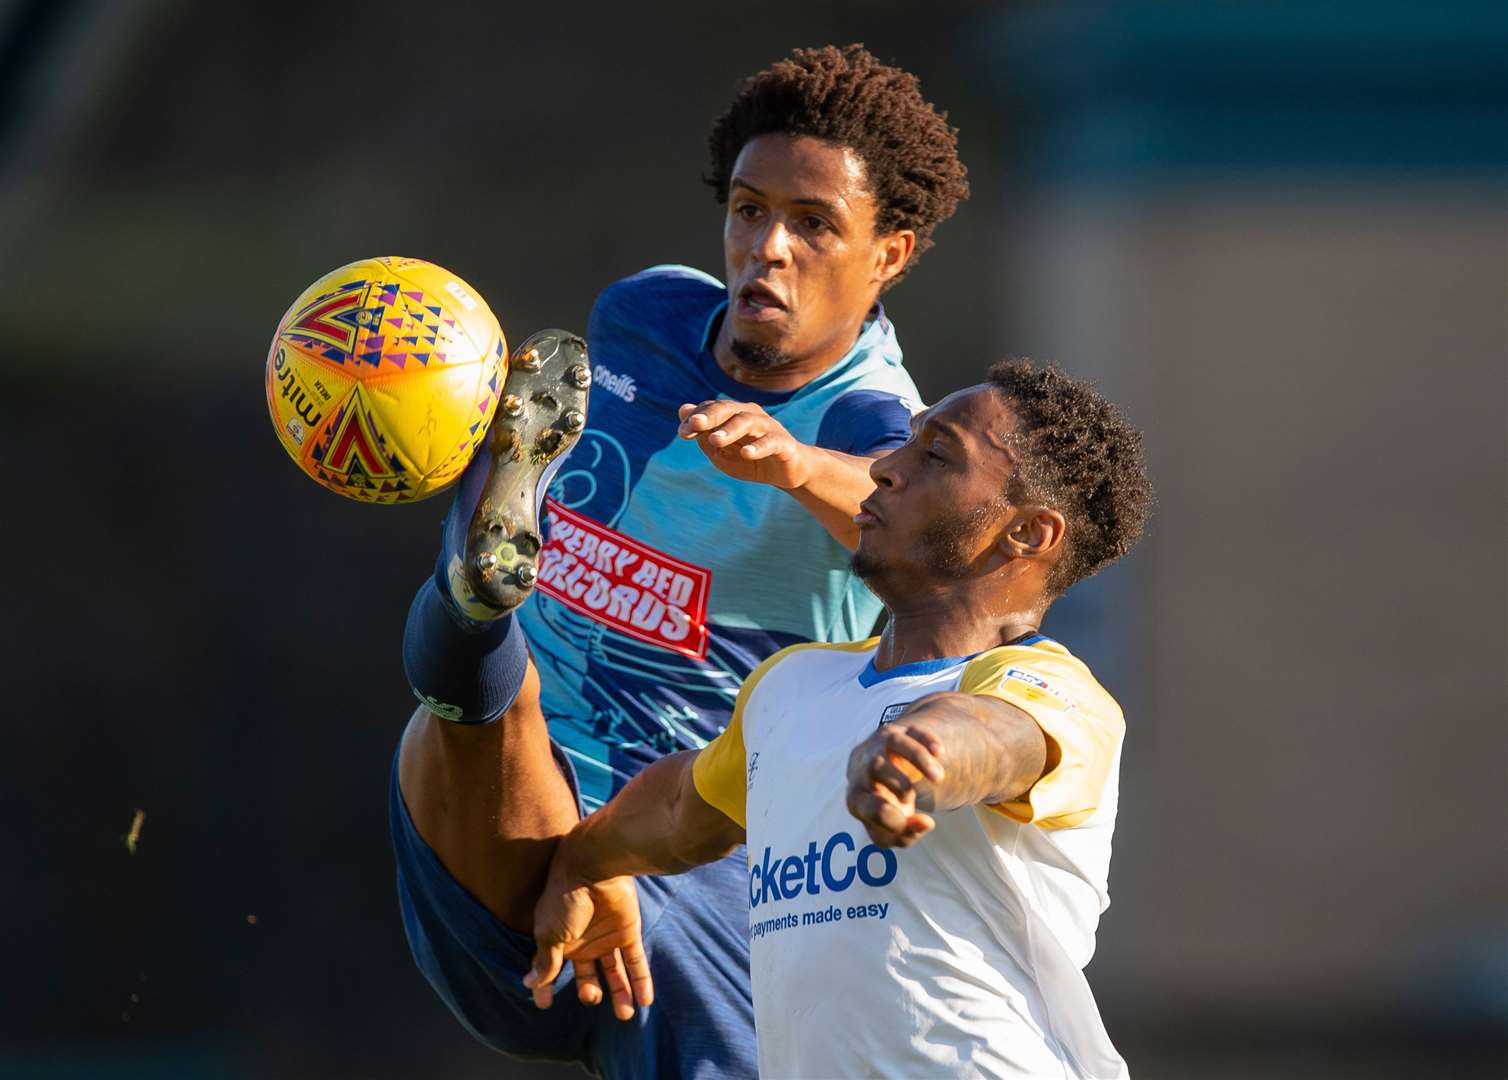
(624, 584)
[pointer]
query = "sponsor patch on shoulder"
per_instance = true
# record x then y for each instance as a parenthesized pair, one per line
(1036, 688)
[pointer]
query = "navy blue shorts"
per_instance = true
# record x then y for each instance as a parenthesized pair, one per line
(695, 932)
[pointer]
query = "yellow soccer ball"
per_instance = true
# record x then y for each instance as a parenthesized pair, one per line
(382, 378)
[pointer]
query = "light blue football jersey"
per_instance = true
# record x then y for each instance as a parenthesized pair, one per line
(664, 582)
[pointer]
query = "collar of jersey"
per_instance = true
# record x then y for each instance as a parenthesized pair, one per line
(869, 676)
(737, 391)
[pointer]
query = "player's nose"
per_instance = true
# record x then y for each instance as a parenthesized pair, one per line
(773, 246)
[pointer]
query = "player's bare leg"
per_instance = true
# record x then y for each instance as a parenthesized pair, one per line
(475, 768)
(490, 800)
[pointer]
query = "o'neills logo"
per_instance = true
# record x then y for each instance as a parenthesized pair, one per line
(624, 584)
(621, 385)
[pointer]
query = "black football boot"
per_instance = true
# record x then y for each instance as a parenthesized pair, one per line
(488, 564)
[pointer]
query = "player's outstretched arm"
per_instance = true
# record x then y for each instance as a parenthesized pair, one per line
(749, 444)
(658, 824)
(946, 751)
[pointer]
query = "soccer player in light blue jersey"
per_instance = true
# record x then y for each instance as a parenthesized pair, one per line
(702, 521)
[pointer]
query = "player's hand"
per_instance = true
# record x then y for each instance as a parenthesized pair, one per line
(883, 775)
(747, 443)
(591, 924)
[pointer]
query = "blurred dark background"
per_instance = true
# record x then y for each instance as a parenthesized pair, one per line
(1275, 233)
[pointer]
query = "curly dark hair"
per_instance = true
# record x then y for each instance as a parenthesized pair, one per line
(848, 98)
(1075, 452)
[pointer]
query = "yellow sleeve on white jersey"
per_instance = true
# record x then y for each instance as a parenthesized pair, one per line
(1082, 724)
(718, 771)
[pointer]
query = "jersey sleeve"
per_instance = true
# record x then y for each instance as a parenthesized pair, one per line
(626, 314)
(718, 771)
(865, 422)
(1081, 723)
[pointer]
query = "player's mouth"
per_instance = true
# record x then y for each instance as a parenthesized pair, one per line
(867, 515)
(757, 302)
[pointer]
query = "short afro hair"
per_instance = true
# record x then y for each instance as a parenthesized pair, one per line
(848, 98)
(1075, 452)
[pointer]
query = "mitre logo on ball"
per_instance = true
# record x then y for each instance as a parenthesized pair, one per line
(383, 376)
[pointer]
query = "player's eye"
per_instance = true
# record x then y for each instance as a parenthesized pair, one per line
(747, 211)
(813, 223)
(933, 455)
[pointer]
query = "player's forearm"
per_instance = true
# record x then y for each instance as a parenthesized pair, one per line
(834, 486)
(656, 825)
(991, 752)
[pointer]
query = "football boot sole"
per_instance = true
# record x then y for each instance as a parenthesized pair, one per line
(539, 417)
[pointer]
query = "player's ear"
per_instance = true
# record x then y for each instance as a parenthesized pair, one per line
(1034, 532)
(891, 254)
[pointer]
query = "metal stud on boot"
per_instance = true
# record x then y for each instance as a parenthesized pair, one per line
(541, 415)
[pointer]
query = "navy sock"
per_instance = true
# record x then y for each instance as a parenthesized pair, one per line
(469, 674)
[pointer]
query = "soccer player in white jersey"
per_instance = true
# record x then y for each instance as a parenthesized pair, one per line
(928, 813)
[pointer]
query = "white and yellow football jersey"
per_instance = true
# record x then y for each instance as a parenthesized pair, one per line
(960, 956)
